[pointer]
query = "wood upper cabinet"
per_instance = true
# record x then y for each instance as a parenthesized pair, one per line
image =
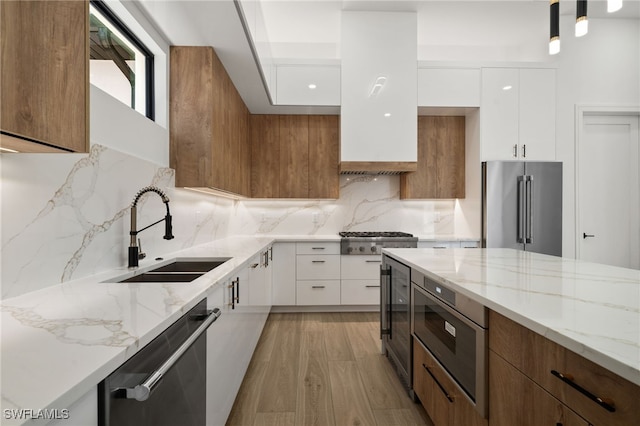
(209, 123)
(441, 160)
(45, 72)
(294, 156)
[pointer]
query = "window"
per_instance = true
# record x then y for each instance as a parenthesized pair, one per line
(119, 63)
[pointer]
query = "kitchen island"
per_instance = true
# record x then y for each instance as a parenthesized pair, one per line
(589, 309)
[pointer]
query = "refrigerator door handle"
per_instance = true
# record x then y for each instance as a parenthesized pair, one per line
(520, 209)
(529, 203)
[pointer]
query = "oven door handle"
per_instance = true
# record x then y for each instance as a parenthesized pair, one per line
(142, 391)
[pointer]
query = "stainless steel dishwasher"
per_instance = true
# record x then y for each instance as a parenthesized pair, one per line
(165, 382)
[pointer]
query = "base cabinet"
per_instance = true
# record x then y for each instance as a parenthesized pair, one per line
(441, 398)
(516, 399)
(541, 361)
(82, 412)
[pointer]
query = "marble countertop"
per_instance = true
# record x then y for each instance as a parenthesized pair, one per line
(59, 342)
(591, 309)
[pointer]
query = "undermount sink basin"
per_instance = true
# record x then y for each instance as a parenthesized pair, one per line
(180, 270)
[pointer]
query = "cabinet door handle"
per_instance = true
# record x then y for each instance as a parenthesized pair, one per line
(372, 286)
(524, 150)
(585, 236)
(318, 248)
(373, 261)
(317, 261)
(254, 266)
(515, 151)
(317, 286)
(444, 391)
(605, 403)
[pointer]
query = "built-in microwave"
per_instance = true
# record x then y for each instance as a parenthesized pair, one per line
(454, 329)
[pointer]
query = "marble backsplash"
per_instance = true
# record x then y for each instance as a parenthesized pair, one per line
(66, 216)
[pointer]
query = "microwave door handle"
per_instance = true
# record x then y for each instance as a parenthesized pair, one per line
(529, 213)
(520, 209)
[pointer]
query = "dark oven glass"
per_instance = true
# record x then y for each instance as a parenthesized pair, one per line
(451, 340)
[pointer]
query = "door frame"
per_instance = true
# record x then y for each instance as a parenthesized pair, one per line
(580, 112)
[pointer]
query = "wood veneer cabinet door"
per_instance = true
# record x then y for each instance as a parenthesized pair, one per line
(517, 400)
(45, 77)
(324, 177)
(441, 160)
(208, 123)
(265, 156)
(191, 116)
(294, 156)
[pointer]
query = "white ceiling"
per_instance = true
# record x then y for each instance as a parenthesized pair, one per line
(308, 31)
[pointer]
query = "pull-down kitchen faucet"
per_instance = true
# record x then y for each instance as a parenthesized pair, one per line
(134, 254)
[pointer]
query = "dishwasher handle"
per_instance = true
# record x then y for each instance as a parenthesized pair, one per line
(142, 391)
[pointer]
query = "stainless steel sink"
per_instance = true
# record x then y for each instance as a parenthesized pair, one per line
(180, 270)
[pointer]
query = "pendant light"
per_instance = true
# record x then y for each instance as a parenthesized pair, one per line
(554, 28)
(614, 5)
(582, 23)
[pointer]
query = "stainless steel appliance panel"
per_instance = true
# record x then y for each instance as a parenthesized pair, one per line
(543, 230)
(522, 206)
(165, 382)
(395, 324)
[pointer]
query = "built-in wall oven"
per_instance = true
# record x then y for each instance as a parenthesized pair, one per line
(395, 321)
(454, 329)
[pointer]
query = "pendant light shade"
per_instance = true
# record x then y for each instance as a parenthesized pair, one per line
(582, 23)
(614, 5)
(554, 28)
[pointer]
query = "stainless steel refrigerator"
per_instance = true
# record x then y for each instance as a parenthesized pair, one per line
(522, 205)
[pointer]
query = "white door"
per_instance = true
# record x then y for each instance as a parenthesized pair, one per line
(609, 191)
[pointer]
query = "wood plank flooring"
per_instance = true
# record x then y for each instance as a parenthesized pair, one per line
(322, 369)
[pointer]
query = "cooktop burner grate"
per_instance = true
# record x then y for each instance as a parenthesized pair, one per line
(371, 234)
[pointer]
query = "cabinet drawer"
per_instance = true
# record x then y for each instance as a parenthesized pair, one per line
(319, 267)
(320, 292)
(360, 292)
(360, 267)
(437, 244)
(537, 356)
(318, 248)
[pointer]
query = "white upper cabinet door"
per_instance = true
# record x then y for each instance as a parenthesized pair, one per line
(518, 114)
(448, 87)
(537, 128)
(308, 85)
(379, 100)
(499, 113)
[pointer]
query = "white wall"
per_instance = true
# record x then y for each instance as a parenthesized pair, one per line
(601, 68)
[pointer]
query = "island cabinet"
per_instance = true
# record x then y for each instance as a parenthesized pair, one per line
(441, 160)
(441, 398)
(45, 75)
(209, 124)
(534, 381)
(294, 156)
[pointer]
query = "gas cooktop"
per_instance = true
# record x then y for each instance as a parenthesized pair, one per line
(374, 234)
(372, 242)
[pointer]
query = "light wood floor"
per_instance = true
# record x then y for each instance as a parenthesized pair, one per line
(322, 369)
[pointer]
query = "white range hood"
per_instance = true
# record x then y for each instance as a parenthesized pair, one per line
(379, 105)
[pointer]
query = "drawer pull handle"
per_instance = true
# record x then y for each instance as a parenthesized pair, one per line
(373, 286)
(317, 286)
(444, 391)
(605, 403)
(318, 248)
(374, 261)
(317, 261)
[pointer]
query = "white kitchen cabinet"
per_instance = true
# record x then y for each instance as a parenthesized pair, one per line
(231, 341)
(449, 244)
(360, 280)
(284, 274)
(318, 292)
(448, 87)
(319, 266)
(517, 114)
(259, 280)
(82, 412)
(326, 247)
